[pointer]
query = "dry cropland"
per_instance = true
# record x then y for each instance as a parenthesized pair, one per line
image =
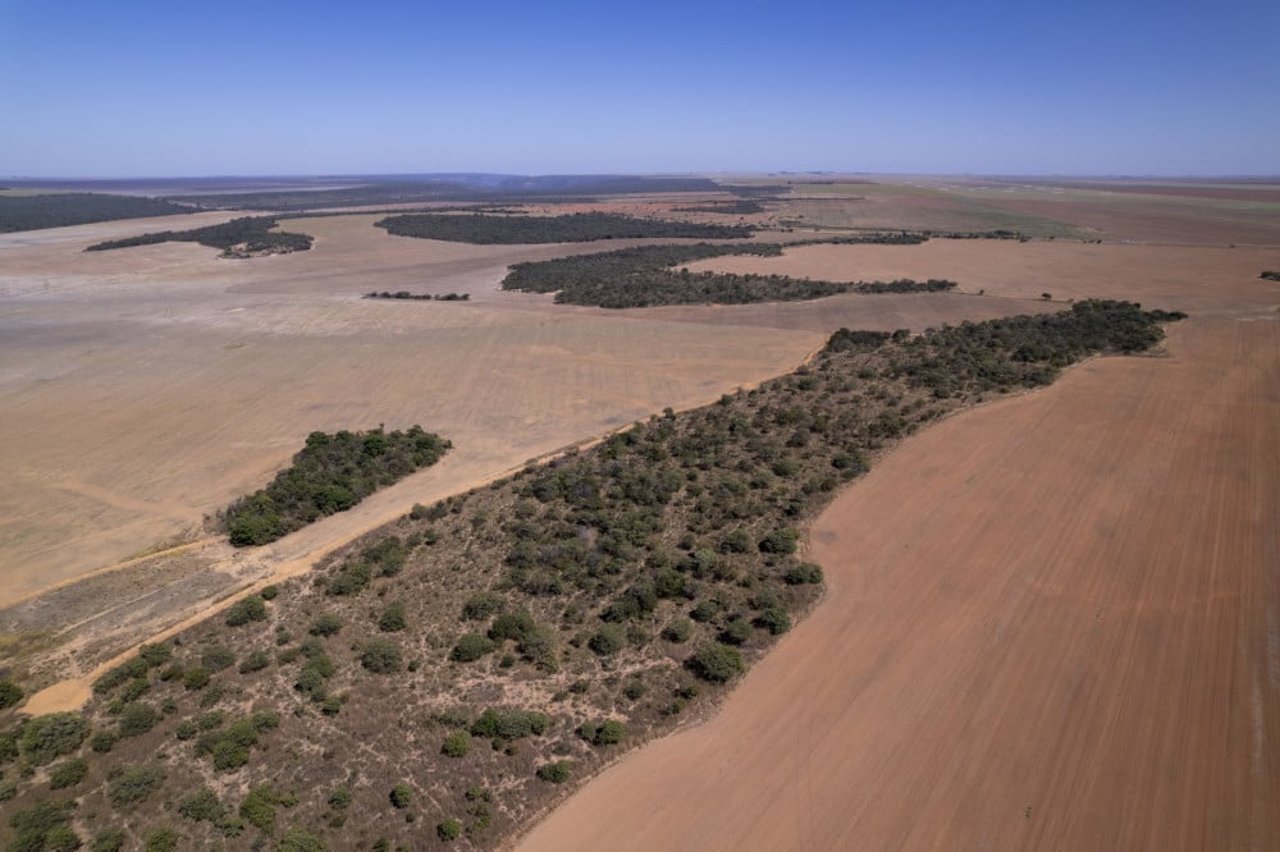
(1048, 621)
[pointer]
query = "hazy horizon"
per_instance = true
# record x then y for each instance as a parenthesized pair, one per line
(141, 89)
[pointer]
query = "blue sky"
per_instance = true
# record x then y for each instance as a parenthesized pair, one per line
(176, 88)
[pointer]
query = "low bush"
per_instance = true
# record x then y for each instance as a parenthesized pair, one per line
(509, 724)
(608, 732)
(52, 735)
(456, 744)
(471, 647)
(381, 656)
(134, 784)
(68, 773)
(327, 624)
(401, 796)
(245, 610)
(716, 663)
(449, 830)
(556, 773)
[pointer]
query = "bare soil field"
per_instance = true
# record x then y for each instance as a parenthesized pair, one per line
(1196, 279)
(1051, 623)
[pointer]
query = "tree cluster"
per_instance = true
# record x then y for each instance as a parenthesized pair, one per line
(244, 237)
(58, 210)
(487, 229)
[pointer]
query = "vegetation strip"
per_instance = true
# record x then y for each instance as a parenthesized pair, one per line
(330, 474)
(644, 277)
(466, 666)
(483, 229)
(60, 209)
(248, 236)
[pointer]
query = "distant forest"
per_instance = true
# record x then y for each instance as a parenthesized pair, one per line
(729, 208)
(643, 277)
(58, 210)
(330, 474)
(459, 188)
(244, 237)
(570, 228)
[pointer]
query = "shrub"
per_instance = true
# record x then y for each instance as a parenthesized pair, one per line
(197, 678)
(780, 541)
(340, 798)
(108, 840)
(608, 640)
(259, 807)
(504, 724)
(716, 663)
(137, 667)
(269, 593)
(10, 693)
(449, 830)
(103, 741)
(678, 630)
(298, 840)
(68, 773)
(155, 655)
(392, 619)
(137, 688)
(512, 625)
(256, 661)
(351, 579)
(401, 796)
(52, 735)
(245, 610)
(327, 624)
(161, 840)
(736, 632)
(381, 656)
(203, 804)
(137, 719)
(217, 658)
(805, 572)
(456, 744)
(471, 647)
(33, 826)
(134, 784)
(775, 620)
(480, 606)
(608, 732)
(556, 773)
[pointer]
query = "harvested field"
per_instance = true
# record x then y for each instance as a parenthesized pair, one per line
(1061, 637)
(1198, 280)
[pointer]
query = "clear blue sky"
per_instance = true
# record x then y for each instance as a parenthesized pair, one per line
(133, 88)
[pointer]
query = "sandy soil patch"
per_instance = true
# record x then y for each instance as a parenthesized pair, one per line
(1051, 623)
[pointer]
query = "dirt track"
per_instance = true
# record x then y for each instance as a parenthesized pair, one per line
(1052, 623)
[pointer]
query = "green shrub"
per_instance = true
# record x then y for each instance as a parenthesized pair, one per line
(392, 619)
(381, 656)
(137, 667)
(716, 663)
(269, 593)
(298, 840)
(137, 719)
(62, 839)
(608, 640)
(196, 678)
(134, 784)
(9, 746)
(33, 826)
(507, 724)
(678, 630)
(68, 773)
(780, 541)
(217, 658)
(775, 620)
(155, 655)
(556, 773)
(456, 744)
(449, 830)
(10, 693)
(8, 789)
(340, 798)
(108, 840)
(137, 688)
(331, 706)
(327, 624)
(52, 735)
(259, 807)
(805, 572)
(481, 605)
(512, 625)
(203, 804)
(256, 661)
(401, 796)
(352, 579)
(103, 741)
(161, 840)
(245, 610)
(608, 732)
(471, 647)
(736, 632)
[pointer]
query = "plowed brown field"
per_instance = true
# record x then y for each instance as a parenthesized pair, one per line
(1052, 622)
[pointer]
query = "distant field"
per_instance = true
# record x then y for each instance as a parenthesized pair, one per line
(20, 211)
